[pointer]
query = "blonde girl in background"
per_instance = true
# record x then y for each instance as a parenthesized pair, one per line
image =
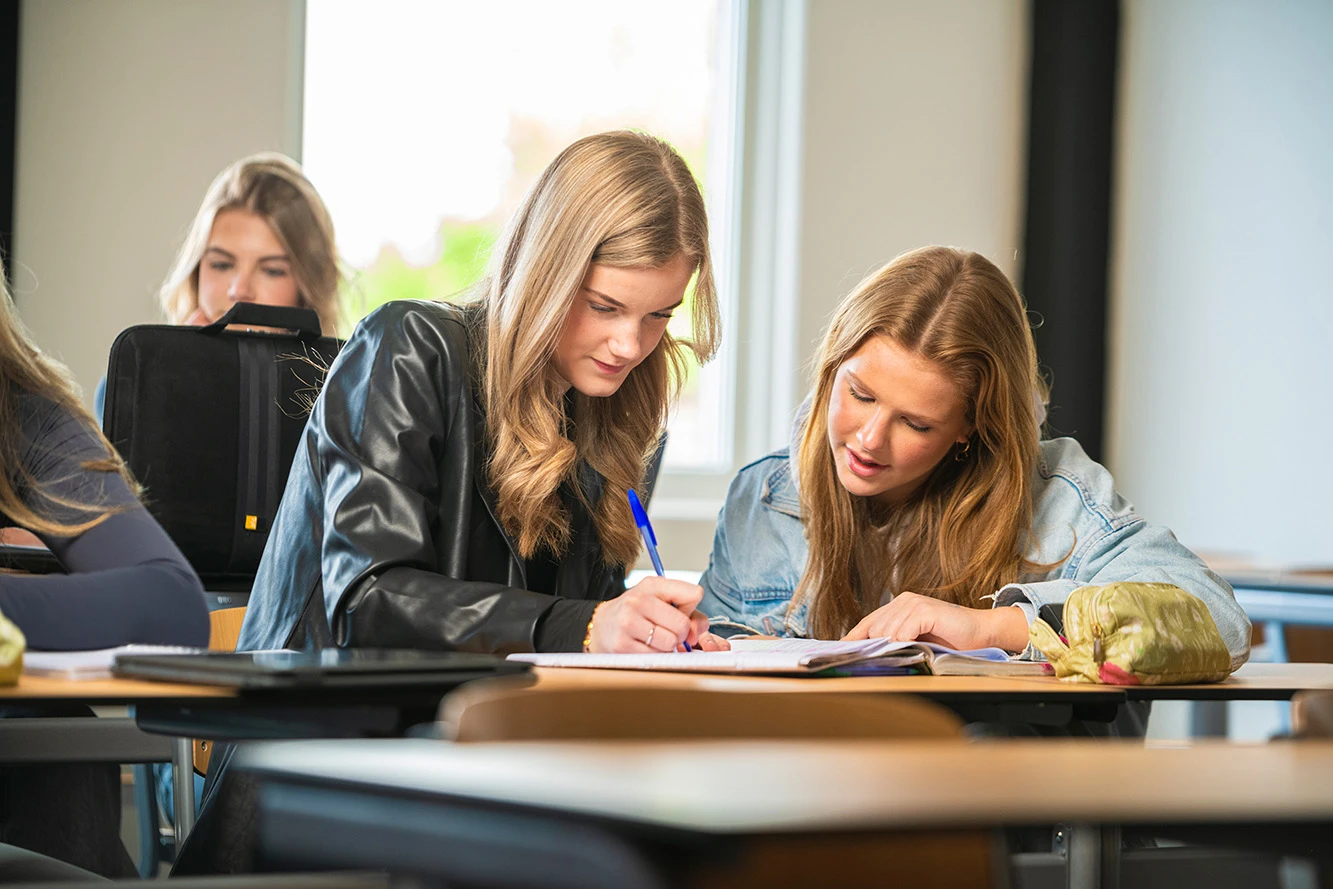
(261, 235)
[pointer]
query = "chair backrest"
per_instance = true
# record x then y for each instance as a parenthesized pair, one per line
(224, 628)
(1312, 714)
(512, 710)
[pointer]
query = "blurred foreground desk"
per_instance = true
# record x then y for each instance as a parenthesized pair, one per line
(168, 715)
(706, 813)
(199, 711)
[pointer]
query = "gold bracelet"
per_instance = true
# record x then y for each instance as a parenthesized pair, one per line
(587, 637)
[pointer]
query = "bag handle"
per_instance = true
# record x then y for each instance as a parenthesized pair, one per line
(304, 322)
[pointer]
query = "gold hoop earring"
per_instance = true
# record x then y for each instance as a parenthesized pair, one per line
(960, 455)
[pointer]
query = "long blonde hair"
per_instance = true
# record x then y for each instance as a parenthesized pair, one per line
(273, 187)
(24, 370)
(961, 535)
(621, 199)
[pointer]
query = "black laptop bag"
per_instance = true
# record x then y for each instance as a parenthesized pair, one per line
(208, 419)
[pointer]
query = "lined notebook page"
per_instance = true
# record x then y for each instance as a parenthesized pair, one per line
(754, 656)
(862, 656)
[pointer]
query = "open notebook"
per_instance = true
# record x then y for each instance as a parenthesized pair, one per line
(859, 657)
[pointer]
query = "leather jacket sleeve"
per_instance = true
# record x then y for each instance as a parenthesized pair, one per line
(394, 442)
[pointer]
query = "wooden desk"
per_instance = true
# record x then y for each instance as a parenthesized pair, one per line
(96, 692)
(1252, 682)
(347, 799)
(1036, 699)
(1043, 688)
(186, 711)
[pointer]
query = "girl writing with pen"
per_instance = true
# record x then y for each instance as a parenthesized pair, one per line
(462, 483)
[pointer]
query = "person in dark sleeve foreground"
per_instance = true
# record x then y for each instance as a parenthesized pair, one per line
(126, 582)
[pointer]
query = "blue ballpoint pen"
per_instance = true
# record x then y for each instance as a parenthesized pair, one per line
(649, 538)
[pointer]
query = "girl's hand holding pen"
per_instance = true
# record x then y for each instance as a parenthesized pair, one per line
(656, 614)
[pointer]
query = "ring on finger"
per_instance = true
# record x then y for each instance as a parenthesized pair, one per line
(649, 640)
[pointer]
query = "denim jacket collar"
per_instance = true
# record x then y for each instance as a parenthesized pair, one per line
(780, 491)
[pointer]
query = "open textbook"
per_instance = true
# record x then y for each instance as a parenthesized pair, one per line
(857, 657)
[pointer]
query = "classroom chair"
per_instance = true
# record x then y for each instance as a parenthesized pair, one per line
(511, 709)
(157, 842)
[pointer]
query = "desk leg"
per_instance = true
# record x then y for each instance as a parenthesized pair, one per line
(182, 780)
(1094, 856)
(1208, 719)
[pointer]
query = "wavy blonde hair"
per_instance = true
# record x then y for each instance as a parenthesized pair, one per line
(24, 370)
(621, 199)
(961, 535)
(273, 187)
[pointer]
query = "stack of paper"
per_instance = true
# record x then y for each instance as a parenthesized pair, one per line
(95, 664)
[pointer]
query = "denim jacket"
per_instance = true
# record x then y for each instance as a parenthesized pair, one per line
(759, 549)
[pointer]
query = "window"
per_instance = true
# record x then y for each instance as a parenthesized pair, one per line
(424, 124)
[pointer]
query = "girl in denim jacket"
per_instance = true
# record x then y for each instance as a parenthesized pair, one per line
(917, 500)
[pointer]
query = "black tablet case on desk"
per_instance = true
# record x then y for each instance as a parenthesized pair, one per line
(208, 420)
(29, 559)
(329, 669)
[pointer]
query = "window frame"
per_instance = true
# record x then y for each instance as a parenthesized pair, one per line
(756, 237)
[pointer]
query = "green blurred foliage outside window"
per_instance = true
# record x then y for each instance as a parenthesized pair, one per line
(464, 253)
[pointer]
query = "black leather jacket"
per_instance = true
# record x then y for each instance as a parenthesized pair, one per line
(386, 535)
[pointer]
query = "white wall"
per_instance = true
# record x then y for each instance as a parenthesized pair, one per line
(915, 133)
(1221, 410)
(912, 122)
(127, 110)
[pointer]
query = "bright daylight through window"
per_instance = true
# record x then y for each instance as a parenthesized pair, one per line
(425, 122)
